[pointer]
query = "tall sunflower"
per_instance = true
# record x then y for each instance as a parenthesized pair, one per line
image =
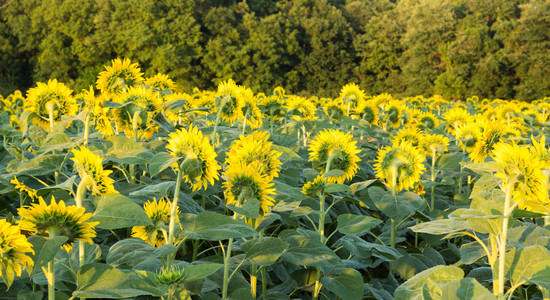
(522, 169)
(334, 109)
(121, 75)
(13, 249)
(57, 219)
(198, 154)
(243, 182)
(400, 165)
(137, 102)
(539, 150)
(159, 213)
(391, 114)
(338, 148)
(426, 120)
(53, 95)
(231, 107)
(89, 164)
(250, 110)
(315, 187)
(468, 135)
(351, 96)
(368, 111)
(255, 148)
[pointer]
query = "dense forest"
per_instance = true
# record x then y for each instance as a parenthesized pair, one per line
(455, 48)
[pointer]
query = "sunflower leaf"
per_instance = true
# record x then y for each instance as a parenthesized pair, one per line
(117, 211)
(250, 209)
(354, 224)
(161, 161)
(348, 285)
(44, 250)
(264, 251)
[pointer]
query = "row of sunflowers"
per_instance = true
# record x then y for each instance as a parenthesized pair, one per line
(137, 189)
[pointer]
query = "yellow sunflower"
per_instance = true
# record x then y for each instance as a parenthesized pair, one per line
(13, 249)
(392, 114)
(456, 117)
(251, 112)
(315, 187)
(199, 156)
(540, 151)
(351, 95)
(118, 77)
(432, 143)
(400, 165)
(303, 109)
(334, 109)
(490, 136)
(273, 105)
(89, 164)
(337, 148)
(53, 95)
(159, 213)
(426, 120)
(244, 182)
(22, 187)
(522, 169)
(232, 106)
(161, 82)
(382, 99)
(468, 134)
(368, 111)
(57, 219)
(255, 148)
(410, 134)
(137, 102)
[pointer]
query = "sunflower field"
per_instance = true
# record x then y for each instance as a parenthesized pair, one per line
(135, 189)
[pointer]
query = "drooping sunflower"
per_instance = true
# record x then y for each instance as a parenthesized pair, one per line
(159, 213)
(400, 165)
(273, 105)
(137, 102)
(89, 164)
(13, 249)
(53, 95)
(121, 75)
(57, 219)
(351, 95)
(334, 109)
(315, 187)
(433, 143)
(368, 111)
(199, 155)
(303, 109)
(410, 134)
(161, 82)
(22, 187)
(230, 100)
(456, 117)
(338, 148)
(391, 114)
(243, 182)
(255, 149)
(522, 169)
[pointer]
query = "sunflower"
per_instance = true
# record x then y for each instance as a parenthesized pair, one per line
(432, 143)
(198, 154)
(22, 187)
(137, 102)
(273, 105)
(315, 187)
(540, 151)
(392, 113)
(400, 165)
(231, 101)
(53, 95)
(351, 95)
(382, 99)
(250, 109)
(118, 77)
(244, 182)
(368, 111)
(159, 213)
(468, 134)
(161, 82)
(489, 137)
(334, 109)
(13, 246)
(410, 134)
(338, 149)
(456, 117)
(255, 148)
(522, 169)
(89, 164)
(304, 109)
(426, 120)
(58, 219)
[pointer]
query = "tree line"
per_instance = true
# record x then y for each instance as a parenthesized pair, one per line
(455, 48)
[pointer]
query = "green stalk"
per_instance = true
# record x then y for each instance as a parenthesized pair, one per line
(227, 257)
(503, 236)
(432, 207)
(218, 117)
(244, 123)
(135, 130)
(50, 276)
(86, 129)
(50, 107)
(80, 193)
(394, 194)
(174, 206)
(264, 284)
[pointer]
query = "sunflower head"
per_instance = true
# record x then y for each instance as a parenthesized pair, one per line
(13, 251)
(243, 182)
(456, 117)
(53, 95)
(199, 158)
(490, 136)
(230, 100)
(434, 143)
(58, 219)
(522, 169)
(250, 110)
(118, 77)
(351, 95)
(314, 188)
(23, 188)
(540, 150)
(335, 150)
(426, 120)
(255, 149)
(159, 213)
(368, 111)
(468, 135)
(400, 165)
(410, 134)
(89, 164)
(141, 103)
(161, 82)
(392, 113)
(304, 109)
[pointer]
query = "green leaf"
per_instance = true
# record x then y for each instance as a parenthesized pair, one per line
(161, 161)
(463, 289)
(212, 226)
(348, 285)
(412, 288)
(286, 153)
(358, 186)
(199, 271)
(541, 275)
(364, 249)
(44, 250)
(411, 264)
(57, 141)
(486, 183)
(334, 173)
(163, 188)
(25, 120)
(264, 251)
(250, 209)
(354, 224)
(471, 252)
(438, 227)
(519, 262)
(116, 211)
(127, 151)
(485, 167)
(309, 251)
(396, 208)
(336, 187)
(175, 106)
(65, 185)
(103, 281)
(133, 251)
(286, 193)
(241, 294)
(450, 161)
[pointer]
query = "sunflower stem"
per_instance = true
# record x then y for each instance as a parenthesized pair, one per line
(218, 116)
(254, 280)
(227, 257)
(174, 206)
(244, 123)
(50, 107)
(80, 194)
(264, 284)
(135, 137)
(503, 236)
(50, 276)
(392, 236)
(86, 129)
